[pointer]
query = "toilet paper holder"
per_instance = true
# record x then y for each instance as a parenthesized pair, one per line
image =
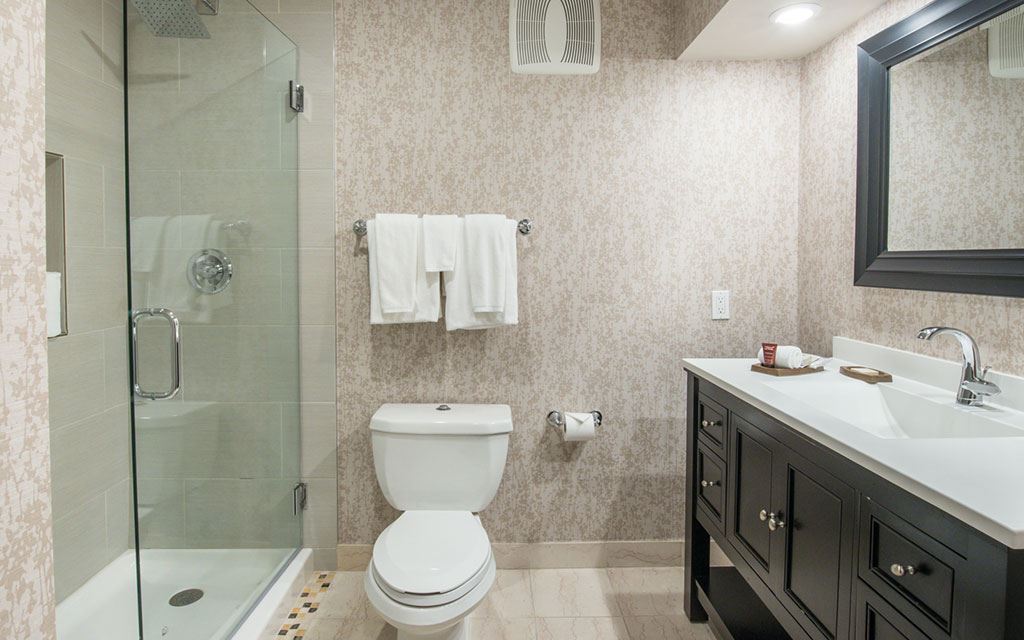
(557, 420)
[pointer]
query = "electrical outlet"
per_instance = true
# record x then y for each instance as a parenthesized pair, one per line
(719, 305)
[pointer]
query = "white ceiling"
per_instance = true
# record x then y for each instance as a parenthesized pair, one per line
(742, 31)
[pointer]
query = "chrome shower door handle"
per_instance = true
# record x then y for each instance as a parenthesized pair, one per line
(175, 353)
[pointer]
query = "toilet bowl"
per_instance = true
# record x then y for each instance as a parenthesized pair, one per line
(440, 465)
(429, 570)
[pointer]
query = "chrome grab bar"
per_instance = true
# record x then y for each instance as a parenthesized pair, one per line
(175, 353)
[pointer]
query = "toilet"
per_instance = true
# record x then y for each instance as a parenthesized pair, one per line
(440, 465)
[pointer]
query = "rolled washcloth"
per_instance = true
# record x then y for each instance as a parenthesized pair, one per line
(786, 357)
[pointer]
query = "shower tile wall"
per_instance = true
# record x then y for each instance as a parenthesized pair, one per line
(278, 255)
(310, 24)
(88, 382)
(26, 569)
(208, 149)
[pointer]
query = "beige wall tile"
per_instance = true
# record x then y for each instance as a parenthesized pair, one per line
(79, 545)
(316, 208)
(319, 440)
(244, 363)
(76, 477)
(320, 519)
(317, 301)
(75, 30)
(97, 289)
(76, 378)
(307, 6)
(316, 346)
(83, 204)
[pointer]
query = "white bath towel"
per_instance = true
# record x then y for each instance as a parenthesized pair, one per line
(54, 300)
(440, 242)
(395, 250)
(427, 304)
(786, 357)
(458, 310)
(485, 261)
(148, 237)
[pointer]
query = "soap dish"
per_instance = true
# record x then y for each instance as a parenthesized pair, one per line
(866, 374)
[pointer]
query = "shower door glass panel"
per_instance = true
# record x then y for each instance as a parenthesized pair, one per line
(212, 155)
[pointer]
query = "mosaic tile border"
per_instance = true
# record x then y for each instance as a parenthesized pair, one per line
(301, 616)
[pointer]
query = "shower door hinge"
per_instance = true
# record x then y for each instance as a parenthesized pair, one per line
(296, 96)
(299, 498)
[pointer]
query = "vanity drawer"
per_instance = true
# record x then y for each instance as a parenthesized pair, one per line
(910, 569)
(877, 620)
(711, 421)
(710, 478)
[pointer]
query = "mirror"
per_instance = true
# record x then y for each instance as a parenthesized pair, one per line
(941, 151)
(956, 143)
(56, 251)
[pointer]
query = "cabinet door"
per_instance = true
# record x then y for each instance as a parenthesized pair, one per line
(753, 458)
(877, 620)
(816, 515)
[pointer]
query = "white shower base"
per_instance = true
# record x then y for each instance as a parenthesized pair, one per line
(231, 579)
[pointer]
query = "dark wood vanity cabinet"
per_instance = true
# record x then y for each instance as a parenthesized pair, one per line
(824, 549)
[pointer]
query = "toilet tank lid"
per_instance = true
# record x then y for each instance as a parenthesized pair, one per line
(443, 419)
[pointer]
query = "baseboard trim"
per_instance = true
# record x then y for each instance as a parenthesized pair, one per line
(555, 555)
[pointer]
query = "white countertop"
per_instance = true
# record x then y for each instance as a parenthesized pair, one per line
(978, 480)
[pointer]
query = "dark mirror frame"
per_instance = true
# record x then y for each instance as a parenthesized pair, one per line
(997, 272)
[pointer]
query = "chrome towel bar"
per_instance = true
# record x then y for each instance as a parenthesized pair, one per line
(525, 227)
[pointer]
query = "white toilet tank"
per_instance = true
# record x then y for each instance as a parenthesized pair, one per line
(432, 457)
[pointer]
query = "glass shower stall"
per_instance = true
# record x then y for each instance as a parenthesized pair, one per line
(212, 333)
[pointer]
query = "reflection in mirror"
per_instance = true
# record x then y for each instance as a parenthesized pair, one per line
(56, 253)
(956, 172)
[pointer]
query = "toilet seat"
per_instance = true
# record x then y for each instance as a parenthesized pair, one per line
(431, 558)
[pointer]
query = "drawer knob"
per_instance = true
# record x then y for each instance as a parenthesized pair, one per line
(709, 423)
(709, 483)
(899, 570)
(775, 523)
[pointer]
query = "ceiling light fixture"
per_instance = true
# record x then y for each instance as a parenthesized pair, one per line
(795, 13)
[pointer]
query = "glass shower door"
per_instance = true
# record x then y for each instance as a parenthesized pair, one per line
(212, 155)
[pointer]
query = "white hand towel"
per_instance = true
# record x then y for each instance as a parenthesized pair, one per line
(147, 238)
(458, 310)
(53, 303)
(486, 262)
(785, 357)
(427, 307)
(395, 251)
(440, 242)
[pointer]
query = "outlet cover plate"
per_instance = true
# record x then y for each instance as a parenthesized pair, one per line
(719, 305)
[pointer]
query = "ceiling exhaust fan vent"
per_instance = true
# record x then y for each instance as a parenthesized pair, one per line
(555, 37)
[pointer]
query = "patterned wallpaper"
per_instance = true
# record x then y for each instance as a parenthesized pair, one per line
(691, 17)
(26, 570)
(651, 183)
(829, 303)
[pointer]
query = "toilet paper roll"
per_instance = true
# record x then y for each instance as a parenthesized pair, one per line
(579, 427)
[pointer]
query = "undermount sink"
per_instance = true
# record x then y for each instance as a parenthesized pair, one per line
(887, 411)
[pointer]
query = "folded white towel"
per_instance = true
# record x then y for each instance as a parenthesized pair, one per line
(54, 300)
(458, 310)
(395, 252)
(785, 357)
(427, 306)
(147, 238)
(485, 260)
(440, 242)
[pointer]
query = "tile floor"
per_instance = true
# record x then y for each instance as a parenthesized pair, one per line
(542, 604)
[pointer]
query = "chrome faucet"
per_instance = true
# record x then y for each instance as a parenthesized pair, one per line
(973, 387)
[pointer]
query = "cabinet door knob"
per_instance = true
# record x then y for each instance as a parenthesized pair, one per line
(899, 570)
(709, 483)
(764, 515)
(709, 423)
(775, 523)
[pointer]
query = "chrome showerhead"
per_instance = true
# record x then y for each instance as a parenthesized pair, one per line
(174, 18)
